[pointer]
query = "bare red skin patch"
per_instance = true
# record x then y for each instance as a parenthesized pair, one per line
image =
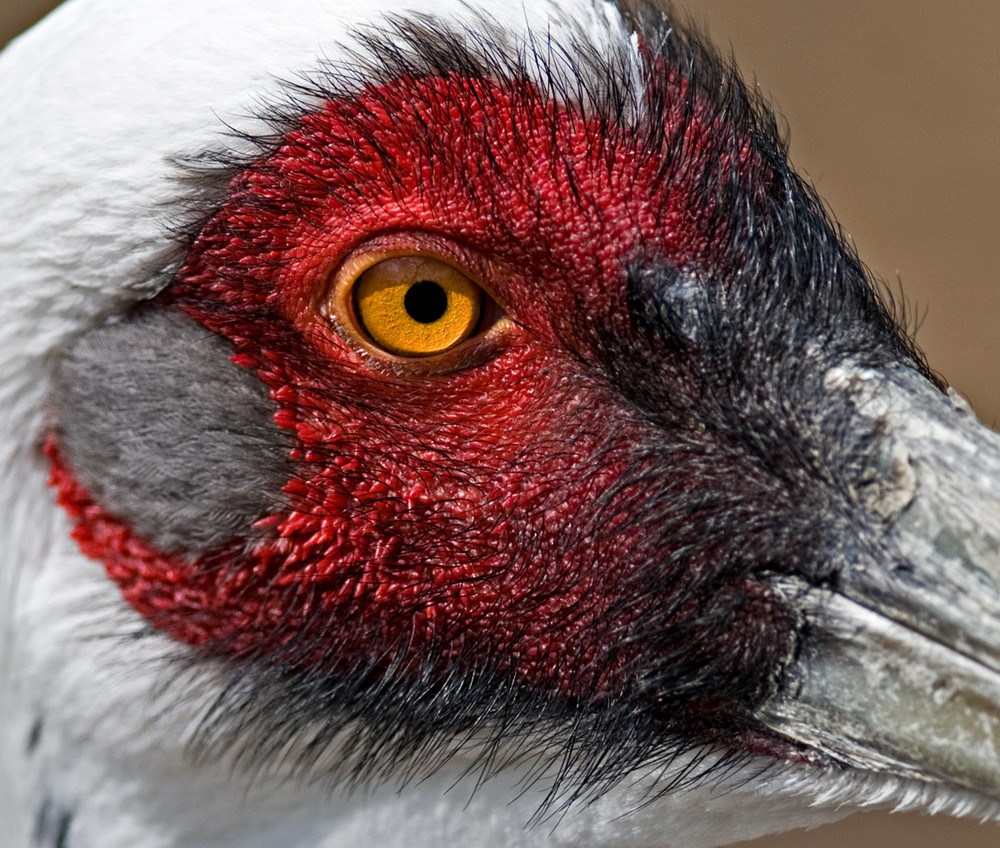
(472, 518)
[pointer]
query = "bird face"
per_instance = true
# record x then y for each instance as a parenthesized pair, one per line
(459, 512)
(532, 399)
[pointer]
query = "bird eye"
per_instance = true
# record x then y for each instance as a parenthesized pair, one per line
(416, 305)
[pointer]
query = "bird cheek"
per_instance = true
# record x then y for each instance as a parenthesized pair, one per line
(338, 539)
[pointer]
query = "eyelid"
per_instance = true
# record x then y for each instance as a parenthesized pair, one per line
(340, 308)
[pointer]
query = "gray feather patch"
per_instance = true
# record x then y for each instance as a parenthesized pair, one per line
(167, 433)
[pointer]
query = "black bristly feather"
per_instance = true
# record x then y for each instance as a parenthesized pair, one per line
(742, 338)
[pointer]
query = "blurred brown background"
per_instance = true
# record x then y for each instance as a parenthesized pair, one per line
(894, 113)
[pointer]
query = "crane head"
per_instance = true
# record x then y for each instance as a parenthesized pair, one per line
(501, 401)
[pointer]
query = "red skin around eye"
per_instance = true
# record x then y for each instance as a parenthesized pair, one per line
(474, 517)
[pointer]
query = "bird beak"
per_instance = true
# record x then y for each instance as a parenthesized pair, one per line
(899, 668)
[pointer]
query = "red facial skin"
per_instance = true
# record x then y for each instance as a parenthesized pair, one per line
(463, 508)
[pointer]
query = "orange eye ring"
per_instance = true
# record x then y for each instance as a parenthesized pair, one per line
(416, 305)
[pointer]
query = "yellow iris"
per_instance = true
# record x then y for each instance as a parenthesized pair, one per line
(416, 305)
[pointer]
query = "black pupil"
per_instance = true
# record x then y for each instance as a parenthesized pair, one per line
(426, 301)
